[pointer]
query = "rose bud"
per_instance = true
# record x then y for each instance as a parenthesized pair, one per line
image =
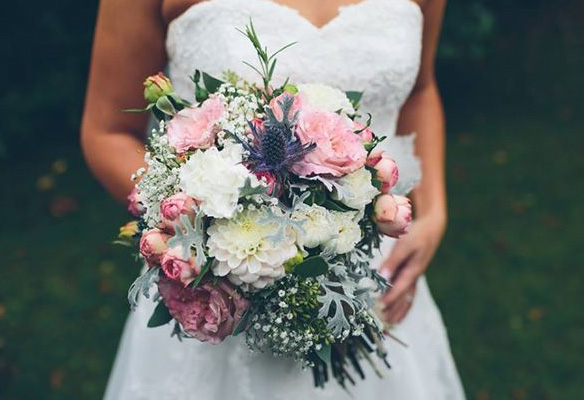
(386, 169)
(153, 245)
(173, 207)
(157, 86)
(135, 206)
(393, 214)
(177, 268)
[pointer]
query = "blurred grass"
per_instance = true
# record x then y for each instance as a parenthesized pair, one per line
(508, 277)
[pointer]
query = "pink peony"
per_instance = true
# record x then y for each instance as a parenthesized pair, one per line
(277, 108)
(195, 127)
(209, 312)
(153, 245)
(393, 214)
(173, 207)
(339, 151)
(365, 133)
(135, 206)
(177, 268)
(386, 169)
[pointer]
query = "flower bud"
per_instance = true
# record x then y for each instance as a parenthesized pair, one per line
(153, 245)
(156, 86)
(393, 214)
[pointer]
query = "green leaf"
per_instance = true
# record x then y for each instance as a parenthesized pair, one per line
(242, 323)
(311, 267)
(249, 190)
(211, 83)
(324, 353)
(354, 97)
(336, 206)
(160, 316)
(164, 105)
(204, 271)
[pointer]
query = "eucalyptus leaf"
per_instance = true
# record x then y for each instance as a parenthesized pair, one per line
(160, 316)
(311, 267)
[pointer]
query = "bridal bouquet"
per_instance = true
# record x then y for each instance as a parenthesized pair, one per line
(257, 215)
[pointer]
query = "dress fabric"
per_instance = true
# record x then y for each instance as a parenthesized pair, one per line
(374, 47)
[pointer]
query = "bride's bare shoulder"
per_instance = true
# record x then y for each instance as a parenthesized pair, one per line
(171, 9)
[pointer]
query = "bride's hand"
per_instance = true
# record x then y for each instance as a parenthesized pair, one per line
(407, 262)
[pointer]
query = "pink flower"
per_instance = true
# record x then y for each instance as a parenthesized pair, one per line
(393, 214)
(135, 206)
(339, 151)
(365, 133)
(153, 245)
(195, 127)
(209, 312)
(177, 268)
(173, 207)
(269, 179)
(386, 169)
(277, 108)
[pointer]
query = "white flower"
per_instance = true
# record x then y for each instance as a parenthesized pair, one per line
(318, 225)
(355, 189)
(214, 178)
(348, 232)
(326, 98)
(250, 249)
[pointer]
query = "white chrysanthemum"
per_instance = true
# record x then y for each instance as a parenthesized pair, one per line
(317, 223)
(348, 232)
(326, 98)
(214, 178)
(250, 249)
(355, 189)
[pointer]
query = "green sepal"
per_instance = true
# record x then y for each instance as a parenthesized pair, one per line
(204, 271)
(354, 97)
(165, 105)
(211, 83)
(160, 316)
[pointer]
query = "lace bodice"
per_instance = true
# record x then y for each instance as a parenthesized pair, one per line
(373, 46)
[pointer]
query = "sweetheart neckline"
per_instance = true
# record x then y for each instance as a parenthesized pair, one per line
(332, 21)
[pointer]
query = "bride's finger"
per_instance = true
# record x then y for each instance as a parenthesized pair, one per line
(404, 281)
(396, 258)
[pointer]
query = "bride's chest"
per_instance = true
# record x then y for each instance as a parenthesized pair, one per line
(375, 42)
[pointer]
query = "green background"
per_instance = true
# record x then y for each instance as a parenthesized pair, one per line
(508, 276)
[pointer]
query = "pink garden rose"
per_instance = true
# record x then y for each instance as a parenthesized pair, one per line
(173, 207)
(385, 167)
(135, 206)
(393, 214)
(365, 133)
(339, 151)
(209, 312)
(177, 268)
(195, 127)
(153, 245)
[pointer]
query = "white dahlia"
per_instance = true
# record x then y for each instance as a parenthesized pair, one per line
(214, 178)
(317, 223)
(355, 189)
(347, 230)
(250, 249)
(325, 97)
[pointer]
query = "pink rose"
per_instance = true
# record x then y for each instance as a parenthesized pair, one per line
(177, 268)
(339, 151)
(209, 312)
(365, 133)
(195, 127)
(135, 206)
(393, 214)
(153, 245)
(277, 108)
(173, 207)
(386, 169)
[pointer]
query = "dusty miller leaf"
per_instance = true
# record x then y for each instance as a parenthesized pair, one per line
(335, 295)
(190, 236)
(142, 286)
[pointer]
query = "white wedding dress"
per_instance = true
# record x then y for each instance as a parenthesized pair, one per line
(374, 47)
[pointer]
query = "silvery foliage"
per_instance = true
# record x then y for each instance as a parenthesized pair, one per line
(283, 218)
(335, 298)
(188, 235)
(141, 286)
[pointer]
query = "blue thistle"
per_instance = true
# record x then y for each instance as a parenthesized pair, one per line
(276, 147)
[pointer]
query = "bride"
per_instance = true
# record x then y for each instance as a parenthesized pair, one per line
(350, 44)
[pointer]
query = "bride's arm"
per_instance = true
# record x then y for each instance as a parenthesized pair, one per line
(422, 114)
(128, 46)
